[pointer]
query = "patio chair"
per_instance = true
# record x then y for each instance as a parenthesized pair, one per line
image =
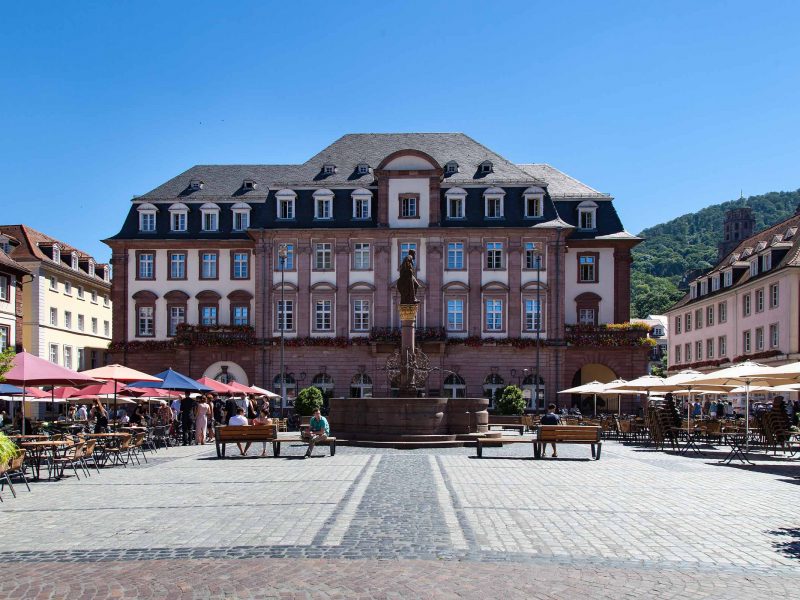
(161, 436)
(69, 456)
(16, 468)
(88, 455)
(120, 455)
(137, 448)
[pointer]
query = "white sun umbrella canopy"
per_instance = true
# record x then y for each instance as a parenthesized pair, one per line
(613, 388)
(587, 389)
(687, 380)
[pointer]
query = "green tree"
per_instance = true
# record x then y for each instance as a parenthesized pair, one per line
(308, 400)
(511, 401)
(6, 356)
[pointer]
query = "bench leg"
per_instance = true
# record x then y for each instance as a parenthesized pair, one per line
(276, 448)
(223, 449)
(599, 447)
(479, 448)
(537, 451)
(593, 455)
(332, 446)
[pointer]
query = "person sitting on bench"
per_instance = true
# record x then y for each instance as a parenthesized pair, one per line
(551, 418)
(318, 431)
(240, 419)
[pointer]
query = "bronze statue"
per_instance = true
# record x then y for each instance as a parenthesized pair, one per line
(407, 284)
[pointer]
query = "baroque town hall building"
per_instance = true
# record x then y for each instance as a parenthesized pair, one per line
(522, 268)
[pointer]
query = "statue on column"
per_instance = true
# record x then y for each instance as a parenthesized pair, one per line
(407, 284)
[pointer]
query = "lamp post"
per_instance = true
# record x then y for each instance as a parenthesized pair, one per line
(538, 329)
(283, 253)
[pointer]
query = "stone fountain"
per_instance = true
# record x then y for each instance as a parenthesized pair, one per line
(409, 420)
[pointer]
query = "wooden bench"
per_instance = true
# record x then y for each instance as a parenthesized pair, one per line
(567, 434)
(508, 422)
(498, 442)
(276, 443)
(232, 434)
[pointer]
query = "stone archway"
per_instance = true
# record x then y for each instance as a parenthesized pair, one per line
(226, 371)
(591, 372)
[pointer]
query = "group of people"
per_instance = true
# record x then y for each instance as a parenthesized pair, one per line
(197, 417)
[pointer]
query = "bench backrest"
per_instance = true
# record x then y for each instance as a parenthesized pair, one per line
(245, 432)
(567, 433)
(506, 420)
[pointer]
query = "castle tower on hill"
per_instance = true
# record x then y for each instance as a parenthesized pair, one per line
(738, 225)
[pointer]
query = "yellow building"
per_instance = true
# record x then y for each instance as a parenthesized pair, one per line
(66, 305)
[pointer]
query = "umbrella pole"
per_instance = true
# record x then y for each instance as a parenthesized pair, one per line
(24, 391)
(688, 412)
(115, 401)
(595, 406)
(746, 418)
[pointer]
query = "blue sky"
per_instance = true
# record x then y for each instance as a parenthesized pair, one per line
(668, 106)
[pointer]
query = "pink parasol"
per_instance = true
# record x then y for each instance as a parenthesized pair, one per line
(217, 386)
(115, 374)
(238, 388)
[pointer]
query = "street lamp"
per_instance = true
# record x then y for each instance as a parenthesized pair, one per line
(283, 254)
(538, 322)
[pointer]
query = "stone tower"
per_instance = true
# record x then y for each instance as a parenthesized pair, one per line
(738, 225)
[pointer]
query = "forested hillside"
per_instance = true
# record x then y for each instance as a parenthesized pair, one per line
(690, 242)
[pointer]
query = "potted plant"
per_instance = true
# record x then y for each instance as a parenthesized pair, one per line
(8, 450)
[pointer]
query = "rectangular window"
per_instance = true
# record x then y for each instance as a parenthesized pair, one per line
(286, 208)
(698, 318)
(361, 208)
(722, 310)
(147, 262)
(409, 206)
(533, 257)
(106, 300)
(455, 315)
(54, 317)
(94, 325)
(81, 322)
(362, 259)
(53, 284)
(147, 221)
(81, 359)
(759, 339)
(54, 353)
(710, 315)
(586, 218)
(677, 324)
(81, 292)
(241, 315)
(722, 345)
(766, 261)
(715, 283)
(323, 315)
(773, 336)
(285, 315)
(94, 297)
(455, 255)
(404, 249)
(241, 220)
(323, 208)
(106, 328)
(746, 342)
(698, 350)
(773, 295)
(687, 348)
(68, 357)
(746, 302)
(760, 300)
(728, 278)
(494, 255)
(287, 263)
(677, 354)
(241, 265)
(323, 257)
(208, 315)
(5, 291)
(360, 315)
(687, 318)
(586, 316)
(5, 337)
(144, 326)
(208, 265)
(533, 316)
(494, 208)
(753, 267)
(177, 265)
(67, 319)
(210, 221)
(67, 288)
(533, 207)
(178, 221)
(177, 316)
(703, 287)
(494, 315)
(587, 268)
(455, 207)
(710, 348)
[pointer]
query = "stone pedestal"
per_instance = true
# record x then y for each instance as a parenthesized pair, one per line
(408, 318)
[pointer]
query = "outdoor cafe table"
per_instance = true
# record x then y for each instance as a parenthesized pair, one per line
(691, 439)
(39, 447)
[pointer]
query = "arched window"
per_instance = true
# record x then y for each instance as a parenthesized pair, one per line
(492, 386)
(455, 386)
(361, 386)
(324, 382)
(534, 392)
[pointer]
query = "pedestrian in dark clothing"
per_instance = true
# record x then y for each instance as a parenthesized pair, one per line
(551, 418)
(187, 419)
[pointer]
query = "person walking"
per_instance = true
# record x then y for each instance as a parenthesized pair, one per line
(101, 417)
(201, 413)
(187, 419)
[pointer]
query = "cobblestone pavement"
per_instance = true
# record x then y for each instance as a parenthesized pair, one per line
(409, 524)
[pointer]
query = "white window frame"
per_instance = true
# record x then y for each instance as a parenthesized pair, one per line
(145, 321)
(205, 265)
(456, 200)
(209, 217)
(284, 315)
(754, 267)
(177, 316)
(728, 275)
(722, 345)
(490, 197)
(81, 322)
(241, 216)
(67, 354)
(587, 215)
(404, 248)
(715, 283)
(147, 218)
(361, 314)
(53, 316)
(774, 335)
(323, 315)
(67, 319)
(56, 253)
(178, 218)
(774, 295)
(766, 261)
(74, 262)
(323, 256)
(533, 258)
(532, 315)
(495, 256)
(362, 256)
(537, 196)
(323, 205)
(240, 266)
(362, 204)
(722, 312)
(746, 342)
(455, 256)
(493, 310)
(285, 205)
(455, 314)
(67, 288)
(53, 353)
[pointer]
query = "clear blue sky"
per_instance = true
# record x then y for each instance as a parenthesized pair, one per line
(669, 106)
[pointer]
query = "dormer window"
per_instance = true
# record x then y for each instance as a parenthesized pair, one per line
(248, 184)
(362, 200)
(754, 267)
(323, 205)
(766, 261)
(728, 278)
(693, 290)
(493, 203)
(715, 283)
(241, 216)
(704, 287)
(451, 167)
(456, 202)
(285, 204)
(587, 215)
(90, 268)
(210, 216)
(196, 184)
(178, 217)
(658, 331)
(486, 167)
(147, 217)
(56, 253)
(74, 261)
(328, 169)
(362, 169)
(534, 202)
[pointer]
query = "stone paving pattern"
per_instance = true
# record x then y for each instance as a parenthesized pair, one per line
(409, 524)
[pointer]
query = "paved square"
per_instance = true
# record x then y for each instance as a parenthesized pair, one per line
(387, 523)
